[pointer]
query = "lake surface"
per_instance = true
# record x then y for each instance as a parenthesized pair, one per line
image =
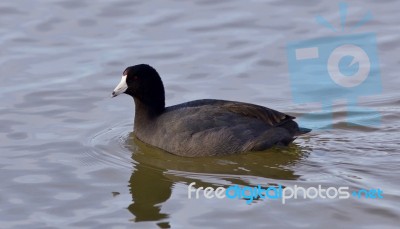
(68, 156)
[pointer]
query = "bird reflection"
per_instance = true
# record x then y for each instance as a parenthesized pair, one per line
(156, 171)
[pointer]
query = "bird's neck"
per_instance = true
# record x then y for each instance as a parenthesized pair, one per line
(145, 114)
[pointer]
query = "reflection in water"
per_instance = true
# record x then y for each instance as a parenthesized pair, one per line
(149, 188)
(156, 172)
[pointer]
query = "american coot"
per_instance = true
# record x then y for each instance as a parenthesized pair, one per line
(205, 127)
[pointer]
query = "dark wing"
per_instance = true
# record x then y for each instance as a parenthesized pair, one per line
(269, 116)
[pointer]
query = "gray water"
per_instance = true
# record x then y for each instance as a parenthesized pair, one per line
(69, 159)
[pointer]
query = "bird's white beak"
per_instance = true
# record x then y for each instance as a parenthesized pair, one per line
(121, 87)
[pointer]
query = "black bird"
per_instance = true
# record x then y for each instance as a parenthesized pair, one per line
(205, 127)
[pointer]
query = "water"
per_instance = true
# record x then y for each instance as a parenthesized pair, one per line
(69, 160)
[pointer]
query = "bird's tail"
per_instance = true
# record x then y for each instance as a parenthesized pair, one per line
(302, 130)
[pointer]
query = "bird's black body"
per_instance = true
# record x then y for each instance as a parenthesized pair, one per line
(203, 127)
